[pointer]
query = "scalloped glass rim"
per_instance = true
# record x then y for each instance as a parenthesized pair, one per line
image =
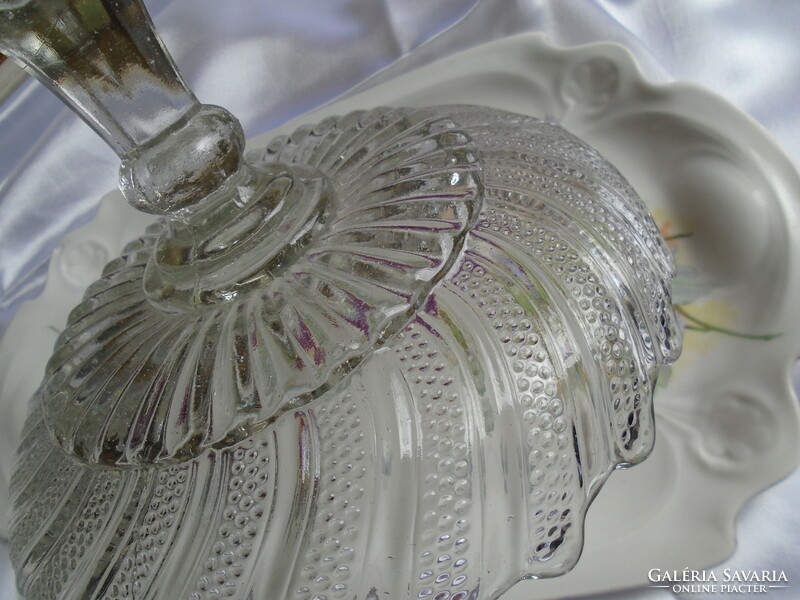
(656, 135)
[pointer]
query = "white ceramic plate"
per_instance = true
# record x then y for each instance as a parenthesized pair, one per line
(728, 423)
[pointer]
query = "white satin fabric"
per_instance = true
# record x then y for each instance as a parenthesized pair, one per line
(268, 61)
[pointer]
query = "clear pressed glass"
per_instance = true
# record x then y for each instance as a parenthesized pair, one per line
(394, 354)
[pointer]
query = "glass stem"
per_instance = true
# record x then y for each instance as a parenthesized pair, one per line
(104, 59)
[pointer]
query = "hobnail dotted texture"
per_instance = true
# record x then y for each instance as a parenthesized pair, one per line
(79, 532)
(480, 428)
(337, 536)
(242, 516)
(555, 495)
(603, 325)
(64, 522)
(626, 250)
(541, 159)
(444, 508)
(158, 506)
